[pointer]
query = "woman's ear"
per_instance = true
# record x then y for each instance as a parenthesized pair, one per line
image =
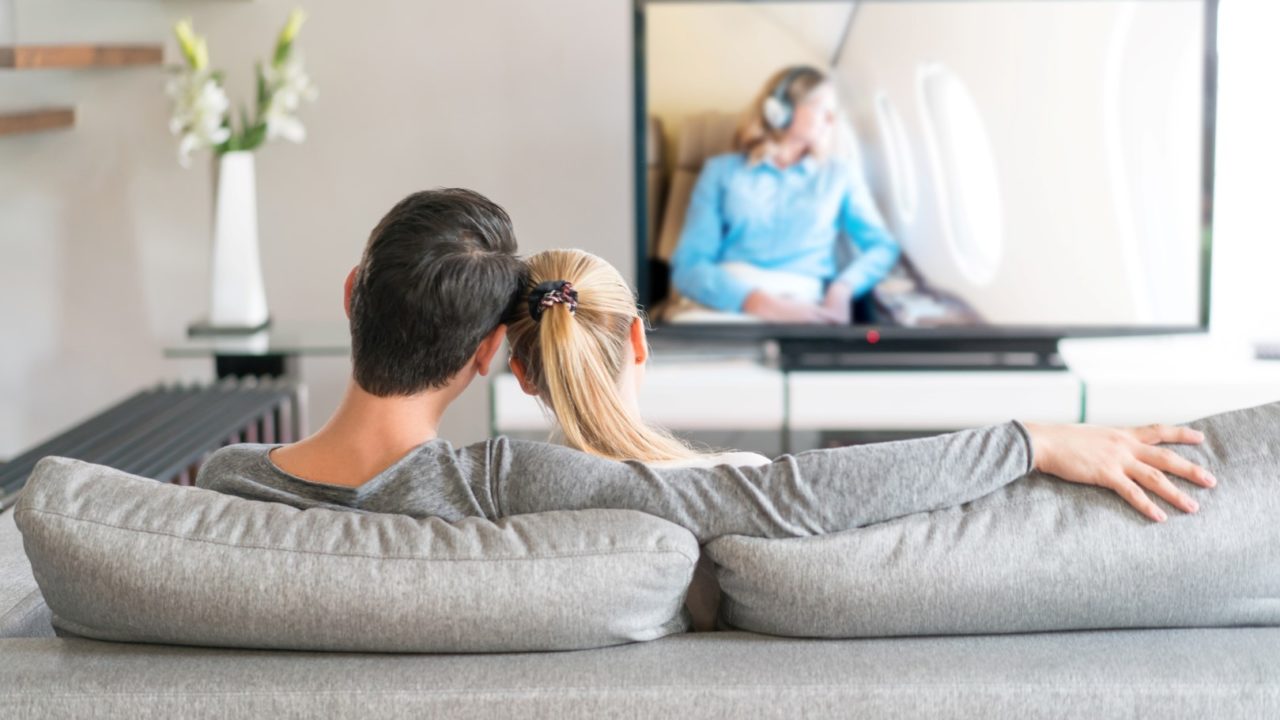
(639, 346)
(346, 292)
(517, 369)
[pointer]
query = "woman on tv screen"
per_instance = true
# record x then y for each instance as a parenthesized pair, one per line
(762, 232)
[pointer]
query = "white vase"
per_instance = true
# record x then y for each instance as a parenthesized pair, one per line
(238, 300)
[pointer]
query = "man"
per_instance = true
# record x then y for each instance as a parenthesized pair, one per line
(427, 305)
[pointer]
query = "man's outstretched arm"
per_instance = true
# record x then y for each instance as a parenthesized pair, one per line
(822, 491)
(813, 492)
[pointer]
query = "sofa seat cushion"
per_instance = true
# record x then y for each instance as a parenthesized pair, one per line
(1039, 554)
(1224, 674)
(123, 558)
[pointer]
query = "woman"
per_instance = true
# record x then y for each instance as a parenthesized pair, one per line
(578, 344)
(760, 236)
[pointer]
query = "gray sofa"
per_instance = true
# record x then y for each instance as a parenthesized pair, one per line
(1040, 600)
(1171, 673)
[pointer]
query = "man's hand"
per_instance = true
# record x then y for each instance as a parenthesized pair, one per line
(783, 310)
(839, 302)
(1124, 460)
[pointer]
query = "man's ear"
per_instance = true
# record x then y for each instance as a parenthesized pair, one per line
(638, 344)
(517, 369)
(346, 292)
(488, 348)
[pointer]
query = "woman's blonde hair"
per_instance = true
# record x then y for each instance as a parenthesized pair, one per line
(575, 359)
(755, 136)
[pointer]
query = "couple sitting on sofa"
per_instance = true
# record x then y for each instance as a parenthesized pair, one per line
(437, 290)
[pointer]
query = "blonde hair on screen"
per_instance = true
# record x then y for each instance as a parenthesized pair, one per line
(754, 136)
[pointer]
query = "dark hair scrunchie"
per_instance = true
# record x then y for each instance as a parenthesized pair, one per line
(550, 293)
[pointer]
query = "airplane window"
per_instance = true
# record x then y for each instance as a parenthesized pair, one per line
(902, 171)
(963, 165)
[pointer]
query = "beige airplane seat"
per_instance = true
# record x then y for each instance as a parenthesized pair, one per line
(655, 182)
(702, 136)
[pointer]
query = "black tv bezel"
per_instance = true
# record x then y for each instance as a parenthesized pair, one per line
(851, 337)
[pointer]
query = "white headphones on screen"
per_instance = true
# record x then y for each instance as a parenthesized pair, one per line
(778, 108)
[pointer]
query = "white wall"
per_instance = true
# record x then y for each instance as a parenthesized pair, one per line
(6, 21)
(1246, 244)
(104, 239)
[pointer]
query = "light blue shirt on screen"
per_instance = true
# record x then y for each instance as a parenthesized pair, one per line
(785, 219)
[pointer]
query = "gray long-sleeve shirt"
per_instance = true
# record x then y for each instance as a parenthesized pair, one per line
(808, 493)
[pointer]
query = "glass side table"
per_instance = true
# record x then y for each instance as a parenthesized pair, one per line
(271, 352)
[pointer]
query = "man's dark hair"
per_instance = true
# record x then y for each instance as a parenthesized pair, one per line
(438, 274)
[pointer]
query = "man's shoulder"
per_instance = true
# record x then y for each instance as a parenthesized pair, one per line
(239, 454)
(508, 451)
(232, 461)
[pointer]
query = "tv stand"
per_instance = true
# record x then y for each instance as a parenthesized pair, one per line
(739, 396)
(875, 353)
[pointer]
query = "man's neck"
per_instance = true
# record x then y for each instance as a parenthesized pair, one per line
(366, 435)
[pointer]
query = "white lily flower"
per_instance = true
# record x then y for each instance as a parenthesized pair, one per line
(288, 127)
(288, 85)
(200, 104)
(199, 112)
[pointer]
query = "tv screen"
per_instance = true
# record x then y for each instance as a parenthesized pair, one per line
(925, 167)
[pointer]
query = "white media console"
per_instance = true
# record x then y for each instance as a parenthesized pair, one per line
(1112, 381)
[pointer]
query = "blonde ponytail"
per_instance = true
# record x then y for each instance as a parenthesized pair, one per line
(573, 353)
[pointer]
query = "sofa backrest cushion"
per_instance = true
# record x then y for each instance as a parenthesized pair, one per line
(120, 557)
(22, 610)
(1037, 555)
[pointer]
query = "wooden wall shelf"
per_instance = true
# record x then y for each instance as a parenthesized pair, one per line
(29, 121)
(38, 57)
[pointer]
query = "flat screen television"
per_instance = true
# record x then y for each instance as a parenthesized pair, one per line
(924, 175)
